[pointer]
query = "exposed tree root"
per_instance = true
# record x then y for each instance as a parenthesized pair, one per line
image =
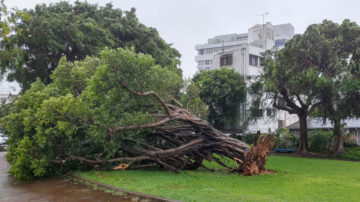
(255, 159)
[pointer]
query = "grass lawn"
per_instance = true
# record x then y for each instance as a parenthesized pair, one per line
(297, 179)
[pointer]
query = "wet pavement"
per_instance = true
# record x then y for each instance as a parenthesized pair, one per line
(54, 189)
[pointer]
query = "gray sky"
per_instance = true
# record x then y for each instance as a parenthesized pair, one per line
(188, 22)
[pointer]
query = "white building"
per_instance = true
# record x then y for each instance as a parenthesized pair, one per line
(243, 53)
(283, 33)
(7, 89)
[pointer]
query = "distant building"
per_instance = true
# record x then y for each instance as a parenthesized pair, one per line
(275, 37)
(282, 34)
(243, 53)
(351, 126)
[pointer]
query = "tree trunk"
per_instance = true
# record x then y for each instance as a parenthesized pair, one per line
(303, 134)
(338, 145)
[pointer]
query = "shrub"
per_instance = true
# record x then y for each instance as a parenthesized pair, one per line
(286, 140)
(249, 138)
(320, 141)
(351, 153)
(350, 139)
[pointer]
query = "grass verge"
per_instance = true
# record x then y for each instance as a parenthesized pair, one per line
(297, 179)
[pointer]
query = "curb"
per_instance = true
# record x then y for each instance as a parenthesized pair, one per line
(142, 195)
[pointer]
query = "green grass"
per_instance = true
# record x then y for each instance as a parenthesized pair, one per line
(297, 179)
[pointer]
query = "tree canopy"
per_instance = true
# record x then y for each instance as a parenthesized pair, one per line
(317, 69)
(338, 66)
(73, 115)
(43, 35)
(223, 90)
(191, 100)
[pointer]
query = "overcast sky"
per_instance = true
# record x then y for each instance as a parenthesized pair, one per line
(188, 22)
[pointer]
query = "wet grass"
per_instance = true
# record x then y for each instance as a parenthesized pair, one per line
(297, 179)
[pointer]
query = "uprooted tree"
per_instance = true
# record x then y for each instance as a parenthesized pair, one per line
(116, 112)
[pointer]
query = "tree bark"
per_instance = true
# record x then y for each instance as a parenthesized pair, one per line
(303, 134)
(338, 145)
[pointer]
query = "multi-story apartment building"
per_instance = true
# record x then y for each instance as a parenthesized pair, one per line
(243, 53)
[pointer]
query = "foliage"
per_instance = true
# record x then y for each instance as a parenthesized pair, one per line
(5, 26)
(320, 141)
(319, 68)
(337, 48)
(257, 102)
(297, 179)
(222, 90)
(350, 139)
(5, 105)
(191, 101)
(352, 153)
(289, 84)
(43, 35)
(71, 116)
(248, 138)
(285, 140)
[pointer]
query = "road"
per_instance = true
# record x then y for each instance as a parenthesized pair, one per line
(54, 189)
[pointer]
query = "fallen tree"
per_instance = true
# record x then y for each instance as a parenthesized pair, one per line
(117, 112)
(193, 140)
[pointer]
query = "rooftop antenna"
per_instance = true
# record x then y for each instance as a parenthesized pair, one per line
(263, 16)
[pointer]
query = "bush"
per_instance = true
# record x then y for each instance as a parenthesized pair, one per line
(350, 140)
(286, 140)
(320, 141)
(351, 153)
(249, 138)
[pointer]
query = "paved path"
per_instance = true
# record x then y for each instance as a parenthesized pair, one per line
(55, 189)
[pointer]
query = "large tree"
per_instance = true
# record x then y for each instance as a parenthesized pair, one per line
(223, 90)
(115, 111)
(41, 36)
(317, 70)
(289, 81)
(339, 64)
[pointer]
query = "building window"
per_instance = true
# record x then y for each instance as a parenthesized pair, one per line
(280, 42)
(208, 62)
(268, 112)
(262, 61)
(281, 123)
(208, 51)
(226, 60)
(253, 60)
(201, 52)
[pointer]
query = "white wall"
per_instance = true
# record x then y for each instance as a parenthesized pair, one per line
(251, 46)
